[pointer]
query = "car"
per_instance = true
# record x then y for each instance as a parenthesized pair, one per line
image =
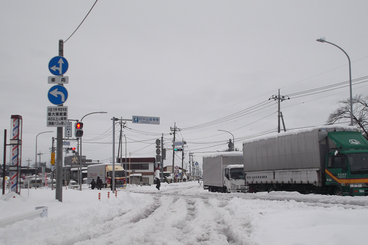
(73, 184)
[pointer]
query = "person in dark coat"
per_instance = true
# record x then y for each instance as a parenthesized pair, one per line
(93, 184)
(158, 183)
(111, 186)
(99, 183)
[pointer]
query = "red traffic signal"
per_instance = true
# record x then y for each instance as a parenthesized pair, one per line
(78, 125)
(78, 129)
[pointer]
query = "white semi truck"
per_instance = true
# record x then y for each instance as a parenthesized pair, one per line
(326, 160)
(224, 172)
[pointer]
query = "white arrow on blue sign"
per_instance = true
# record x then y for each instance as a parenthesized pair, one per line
(57, 94)
(58, 65)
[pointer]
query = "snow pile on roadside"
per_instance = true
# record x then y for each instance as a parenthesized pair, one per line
(184, 213)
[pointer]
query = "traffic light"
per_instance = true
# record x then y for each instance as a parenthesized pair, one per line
(78, 129)
(178, 149)
(158, 150)
(70, 149)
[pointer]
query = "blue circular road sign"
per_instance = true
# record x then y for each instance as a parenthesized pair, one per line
(57, 94)
(58, 65)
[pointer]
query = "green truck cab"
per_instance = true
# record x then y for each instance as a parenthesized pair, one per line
(347, 164)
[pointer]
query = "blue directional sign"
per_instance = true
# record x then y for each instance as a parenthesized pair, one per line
(57, 95)
(58, 65)
(146, 120)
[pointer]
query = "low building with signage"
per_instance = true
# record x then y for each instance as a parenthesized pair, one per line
(141, 170)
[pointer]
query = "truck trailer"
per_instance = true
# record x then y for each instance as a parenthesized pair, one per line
(326, 160)
(104, 171)
(224, 173)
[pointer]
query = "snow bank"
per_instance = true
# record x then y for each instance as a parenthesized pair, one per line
(184, 213)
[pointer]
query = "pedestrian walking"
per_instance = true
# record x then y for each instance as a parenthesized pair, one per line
(158, 183)
(99, 183)
(93, 184)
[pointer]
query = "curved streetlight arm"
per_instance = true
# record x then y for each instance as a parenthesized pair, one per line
(44, 132)
(80, 149)
(351, 87)
(229, 133)
(324, 41)
(97, 112)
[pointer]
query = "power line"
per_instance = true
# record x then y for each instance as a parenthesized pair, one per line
(233, 116)
(328, 87)
(81, 22)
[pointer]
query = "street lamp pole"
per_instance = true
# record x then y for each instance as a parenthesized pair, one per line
(351, 88)
(232, 135)
(80, 179)
(44, 132)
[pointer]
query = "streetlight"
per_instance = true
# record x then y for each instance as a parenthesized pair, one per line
(231, 134)
(44, 132)
(80, 149)
(322, 40)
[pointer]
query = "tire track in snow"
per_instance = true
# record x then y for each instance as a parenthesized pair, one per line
(112, 224)
(190, 219)
(142, 227)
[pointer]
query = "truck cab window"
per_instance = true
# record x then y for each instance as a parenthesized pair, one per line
(227, 173)
(336, 162)
(237, 173)
(358, 163)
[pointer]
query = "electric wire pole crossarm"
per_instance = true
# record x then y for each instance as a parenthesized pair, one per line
(114, 119)
(279, 99)
(173, 129)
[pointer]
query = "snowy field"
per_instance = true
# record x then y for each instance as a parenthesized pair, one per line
(183, 213)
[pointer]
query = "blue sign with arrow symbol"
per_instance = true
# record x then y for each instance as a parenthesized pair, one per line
(58, 65)
(57, 94)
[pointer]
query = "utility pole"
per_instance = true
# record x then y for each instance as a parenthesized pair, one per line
(120, 148)
(163, 155)
(4, 160)
(174, 129)
(279, 99)
(182, 163)
(190, 164)
(113, 154)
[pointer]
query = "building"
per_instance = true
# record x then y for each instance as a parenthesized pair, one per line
(139, 170)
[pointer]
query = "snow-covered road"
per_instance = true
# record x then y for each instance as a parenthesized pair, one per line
(184, 213)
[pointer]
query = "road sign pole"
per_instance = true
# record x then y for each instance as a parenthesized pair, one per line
(162, 158)
(59, 148)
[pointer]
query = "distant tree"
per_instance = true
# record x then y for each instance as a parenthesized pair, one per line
(360, 113)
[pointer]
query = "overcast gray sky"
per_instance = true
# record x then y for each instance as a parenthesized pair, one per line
(190, 62)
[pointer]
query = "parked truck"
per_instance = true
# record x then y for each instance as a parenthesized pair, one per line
(104, 171)
(328, 160)
(224, 172)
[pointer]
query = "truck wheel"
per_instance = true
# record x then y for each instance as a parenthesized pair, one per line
(224, 189)
(337, 191)
(271, 188)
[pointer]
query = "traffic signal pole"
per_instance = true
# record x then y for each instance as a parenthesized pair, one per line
(162, 159)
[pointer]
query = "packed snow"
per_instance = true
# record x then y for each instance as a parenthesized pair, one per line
(182, 213)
